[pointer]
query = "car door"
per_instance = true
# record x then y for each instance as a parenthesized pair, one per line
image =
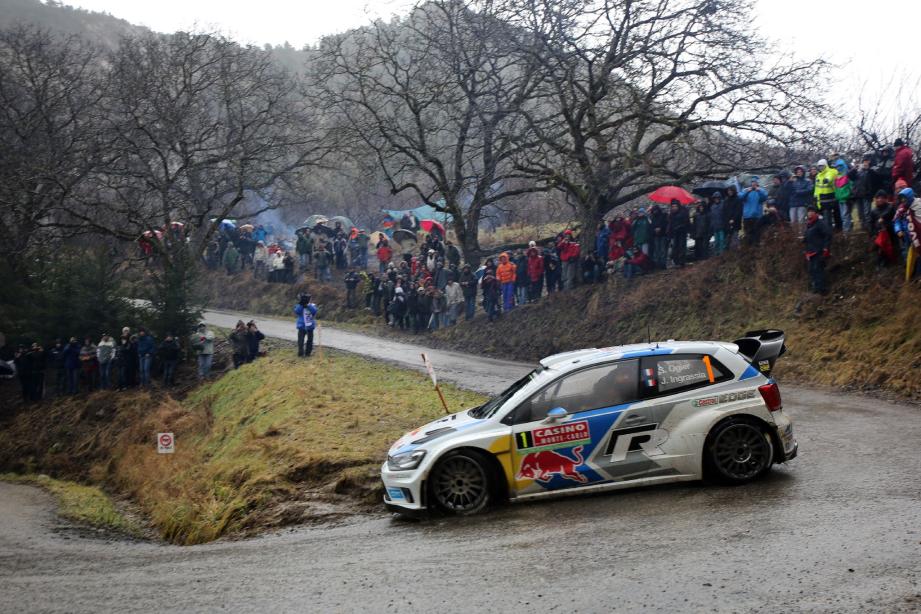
(552, 455)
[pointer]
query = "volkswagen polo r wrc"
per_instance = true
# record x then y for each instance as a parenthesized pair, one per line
(603, 419)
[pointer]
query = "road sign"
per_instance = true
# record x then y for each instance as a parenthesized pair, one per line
(166, 443)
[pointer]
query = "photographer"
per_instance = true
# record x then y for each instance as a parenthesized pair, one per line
(306, 313)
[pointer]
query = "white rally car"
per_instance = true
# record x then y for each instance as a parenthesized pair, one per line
(603, 419)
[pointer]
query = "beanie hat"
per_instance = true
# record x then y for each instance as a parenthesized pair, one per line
(822, 162)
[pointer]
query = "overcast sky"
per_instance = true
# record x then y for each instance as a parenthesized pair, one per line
(871, 42)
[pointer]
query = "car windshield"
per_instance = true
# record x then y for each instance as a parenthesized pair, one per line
(490, 407)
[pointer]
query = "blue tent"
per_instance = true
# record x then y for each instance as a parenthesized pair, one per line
(423, 212)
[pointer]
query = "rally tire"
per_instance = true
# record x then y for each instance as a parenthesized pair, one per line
(738, 450)
(460, 484)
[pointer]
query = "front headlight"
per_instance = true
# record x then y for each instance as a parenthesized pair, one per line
(406, 461)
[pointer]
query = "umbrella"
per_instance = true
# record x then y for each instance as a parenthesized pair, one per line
(313, 220)
(324, 230)
(406, 238)
(376, 237)
(667, 193)
(248, 227)
(429, 225)
(709, 188)
(344, 221)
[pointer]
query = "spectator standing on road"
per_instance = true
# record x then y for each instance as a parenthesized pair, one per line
(903, 165)
(146, 348)
(105, 354)
(817, 240)
(202, 341)
(169, 356)
(753, 199)
(306, 313)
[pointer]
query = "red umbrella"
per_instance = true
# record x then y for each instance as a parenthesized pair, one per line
(668, 193)
(427, 226)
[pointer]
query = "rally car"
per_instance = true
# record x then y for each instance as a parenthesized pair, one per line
(603, 419)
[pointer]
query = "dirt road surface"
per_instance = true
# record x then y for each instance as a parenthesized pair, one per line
(836, 530)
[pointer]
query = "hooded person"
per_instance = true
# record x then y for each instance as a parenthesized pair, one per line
(641, 231)
(717, 216)
(753, 199)
(801, 194)
(824, 191)
(505, 274)
(912, 203)
(535, 272)
(817, 241)
(844, 194)
(903, 165)
(306, 322)
(882, 230)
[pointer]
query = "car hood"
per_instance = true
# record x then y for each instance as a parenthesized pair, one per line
(433, 430)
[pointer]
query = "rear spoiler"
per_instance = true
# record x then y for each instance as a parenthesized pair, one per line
(762, 348)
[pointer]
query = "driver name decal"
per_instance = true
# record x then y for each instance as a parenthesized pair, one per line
(555, 436)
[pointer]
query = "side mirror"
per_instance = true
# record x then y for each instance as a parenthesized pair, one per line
(557, 414)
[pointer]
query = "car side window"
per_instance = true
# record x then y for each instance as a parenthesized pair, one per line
(679, 372)
(592, 388)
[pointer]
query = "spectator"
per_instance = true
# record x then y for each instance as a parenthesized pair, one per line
(39, 364)
(231, 259)
(71, 356)
(753, 199)
(146, 348)
(658, 221)
(702, 233)
(718, 222)
(127, 356)
(384, 254)
(276, 267)
(491, 291)
(56, 354)
(322, 260)
(23, 361)
(535, 272)
(636, 263)
(781, 194)
(817, 240)
(306, 313)
(843, 194)
(824, 192)
(591, 269)
(202, 341)
(679, 222)
(89, 365)
(260, 258)
(169, 356)
(569, 257)
(882, 230)
(105, 354)
(801, 194)
(903, 164)
(641, 231)
(522, 281)
(239, 344)
(602, 238)
(468, 284)
(351, 288)
(398, 308)
(254, 337)
(552, 271)
(454, 301)
(505, 273)
(733, 208)
(436, 301)
(304, 249)
(452, 254)
(287, 264)
(862, 181)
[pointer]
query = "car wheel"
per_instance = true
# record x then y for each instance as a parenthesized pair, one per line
(460, 483)
(738, 451)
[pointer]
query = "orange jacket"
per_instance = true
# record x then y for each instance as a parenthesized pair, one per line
(505, 272)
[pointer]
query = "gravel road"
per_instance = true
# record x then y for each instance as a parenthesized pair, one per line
(836, 530)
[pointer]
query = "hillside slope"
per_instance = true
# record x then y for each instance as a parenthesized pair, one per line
(861, 336)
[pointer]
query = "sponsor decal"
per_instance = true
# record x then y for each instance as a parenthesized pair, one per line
(394, 493)
(542, 466)
(729, 397)
(554, 436)
(646, 438)
(764, 366)
(705, 402)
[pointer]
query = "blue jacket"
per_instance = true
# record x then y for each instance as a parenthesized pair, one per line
(146, 345)
(71, 356)
(601, 241)
(309, 322)
(753, 203)
(801, 192)
(717, 216)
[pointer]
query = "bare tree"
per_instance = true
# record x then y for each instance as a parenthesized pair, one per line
(436, 98)
(640, 93)
(49, 135)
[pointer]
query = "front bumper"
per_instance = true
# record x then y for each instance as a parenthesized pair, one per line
(404, 491)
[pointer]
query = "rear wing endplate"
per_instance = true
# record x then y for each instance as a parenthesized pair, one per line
(762, 348)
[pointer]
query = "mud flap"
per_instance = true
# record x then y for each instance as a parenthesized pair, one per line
(762, 348)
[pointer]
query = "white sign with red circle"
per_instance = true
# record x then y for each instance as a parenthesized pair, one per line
(166, 443)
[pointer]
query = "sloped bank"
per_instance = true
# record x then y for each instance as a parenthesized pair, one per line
(862, 336)
(277, 442)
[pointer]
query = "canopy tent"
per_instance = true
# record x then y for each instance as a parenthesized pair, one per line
(346, 223)
(315, 219)
(423, 212)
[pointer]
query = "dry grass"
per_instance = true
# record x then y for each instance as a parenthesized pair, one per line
(263, 446)
(520, 233)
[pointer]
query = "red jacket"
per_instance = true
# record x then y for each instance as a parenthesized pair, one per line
(384, 253)
(568, 250)
(903, 167)
(535, 264)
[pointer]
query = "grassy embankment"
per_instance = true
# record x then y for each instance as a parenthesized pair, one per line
(277, 442)
(861, 336)
(87, 505)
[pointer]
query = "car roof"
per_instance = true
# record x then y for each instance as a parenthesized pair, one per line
(567, 361)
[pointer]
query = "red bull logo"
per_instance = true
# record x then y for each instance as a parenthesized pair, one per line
(542, 466)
